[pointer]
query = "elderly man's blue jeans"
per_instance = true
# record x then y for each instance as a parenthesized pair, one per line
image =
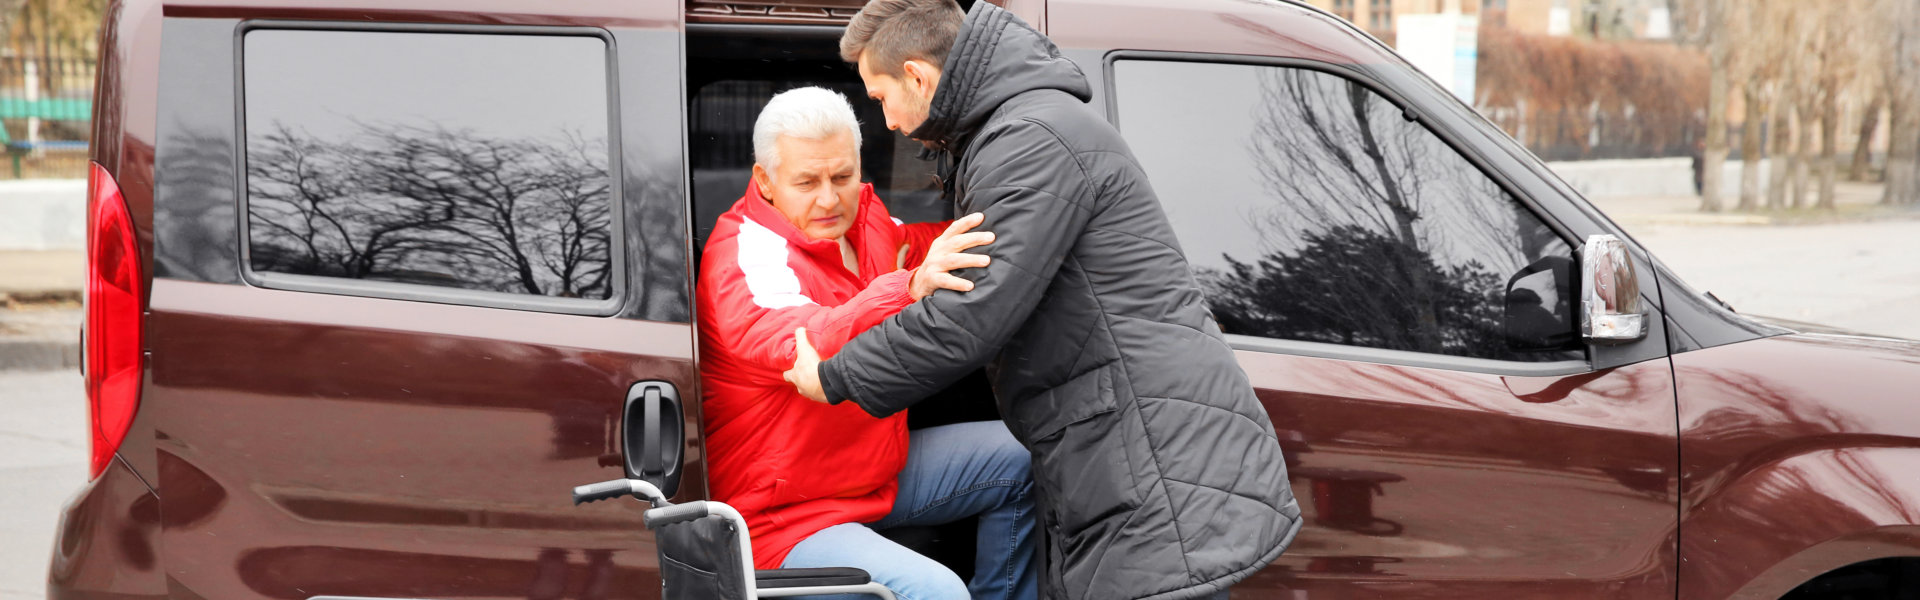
(952, 472)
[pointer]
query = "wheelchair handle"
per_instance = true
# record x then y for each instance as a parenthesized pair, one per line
(678, 513)
(607, 490)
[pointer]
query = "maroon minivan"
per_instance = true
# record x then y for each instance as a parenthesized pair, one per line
(374, 283)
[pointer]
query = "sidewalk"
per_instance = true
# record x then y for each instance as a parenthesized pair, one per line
(40, 308)
(1854, 203)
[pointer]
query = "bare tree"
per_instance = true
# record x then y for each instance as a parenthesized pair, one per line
(1784, 37)
(1873, 42)
(1781, 136)
(1803, 145)
(1719, 54)
(1873, 47)
(1903, 171)
(1863, 141)
(1752, 91)
(1797, 67)
(1847, 45)
(1761, 37)
(1803, 93)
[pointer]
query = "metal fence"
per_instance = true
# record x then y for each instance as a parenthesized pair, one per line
(46, 115)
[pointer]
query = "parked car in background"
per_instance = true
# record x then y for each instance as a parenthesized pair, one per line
(372, 284)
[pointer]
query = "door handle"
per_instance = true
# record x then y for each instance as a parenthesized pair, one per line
(653, 434)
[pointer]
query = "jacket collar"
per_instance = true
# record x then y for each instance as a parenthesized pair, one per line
(762, 212)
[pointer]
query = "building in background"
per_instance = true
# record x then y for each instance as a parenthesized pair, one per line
(1604, 19)
(1536, 17)
(1380, 17)
(1440, 37)
(1444, 44)
(48, 54)
(1600, 19)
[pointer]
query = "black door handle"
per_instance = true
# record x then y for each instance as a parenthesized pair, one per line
(653, 434)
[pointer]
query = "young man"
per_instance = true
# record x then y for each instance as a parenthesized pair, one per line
(1158, 472)
(811, 247)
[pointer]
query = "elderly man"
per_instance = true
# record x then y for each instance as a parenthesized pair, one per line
(811, 248)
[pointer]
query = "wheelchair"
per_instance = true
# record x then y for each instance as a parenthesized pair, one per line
(705, 551)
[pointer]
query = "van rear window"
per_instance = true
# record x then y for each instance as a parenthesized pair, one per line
(449, 160)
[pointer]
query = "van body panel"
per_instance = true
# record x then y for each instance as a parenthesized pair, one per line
(1431, 483)
(1799, 453)
(107, 543)
(311, 444)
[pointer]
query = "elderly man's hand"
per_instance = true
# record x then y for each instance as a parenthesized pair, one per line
(945, 254)
(805, 374)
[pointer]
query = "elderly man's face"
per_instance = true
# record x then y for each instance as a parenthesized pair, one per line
(816, 185)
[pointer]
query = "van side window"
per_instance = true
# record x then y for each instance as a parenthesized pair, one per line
(1312, 210)
(455, 160)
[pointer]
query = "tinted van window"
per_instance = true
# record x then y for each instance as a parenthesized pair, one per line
(1313, 210)
(469, 161)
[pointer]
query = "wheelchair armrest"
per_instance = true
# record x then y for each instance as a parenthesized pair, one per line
(793, 578)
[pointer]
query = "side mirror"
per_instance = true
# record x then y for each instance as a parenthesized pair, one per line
(1538, 315)
(1610, 299)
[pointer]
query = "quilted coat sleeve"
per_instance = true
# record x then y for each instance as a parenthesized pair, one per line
(1036, 196)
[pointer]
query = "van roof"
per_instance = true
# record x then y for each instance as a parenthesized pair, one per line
(796, 12)
(785, 12)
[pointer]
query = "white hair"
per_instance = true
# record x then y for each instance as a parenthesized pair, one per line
(812, 113)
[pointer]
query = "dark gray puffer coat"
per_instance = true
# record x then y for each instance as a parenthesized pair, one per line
(1158, 471)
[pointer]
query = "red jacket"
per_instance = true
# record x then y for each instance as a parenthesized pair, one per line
(792, 466)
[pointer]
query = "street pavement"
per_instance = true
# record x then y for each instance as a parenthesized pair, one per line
(43, 463)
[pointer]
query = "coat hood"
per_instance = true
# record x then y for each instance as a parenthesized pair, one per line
(995, 57)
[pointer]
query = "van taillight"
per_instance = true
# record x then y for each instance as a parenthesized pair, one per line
(112, 333)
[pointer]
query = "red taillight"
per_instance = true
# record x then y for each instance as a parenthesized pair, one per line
(113, 352)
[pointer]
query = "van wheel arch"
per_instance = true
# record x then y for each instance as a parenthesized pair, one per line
(1884, 578)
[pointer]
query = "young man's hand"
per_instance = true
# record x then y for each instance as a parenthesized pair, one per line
(945, 254)
(805, 374)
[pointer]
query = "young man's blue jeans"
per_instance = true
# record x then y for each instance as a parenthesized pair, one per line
(952, 472)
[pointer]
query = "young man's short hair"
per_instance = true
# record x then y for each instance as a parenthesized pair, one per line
(895, 31)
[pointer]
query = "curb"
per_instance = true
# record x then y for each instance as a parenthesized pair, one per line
(12, 298)
(40, 330)
(38, 355)
(1696, 219)
(1765, 220)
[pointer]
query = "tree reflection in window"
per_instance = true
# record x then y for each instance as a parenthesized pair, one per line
(1313, 210)
(474, 161)
(434, 206)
